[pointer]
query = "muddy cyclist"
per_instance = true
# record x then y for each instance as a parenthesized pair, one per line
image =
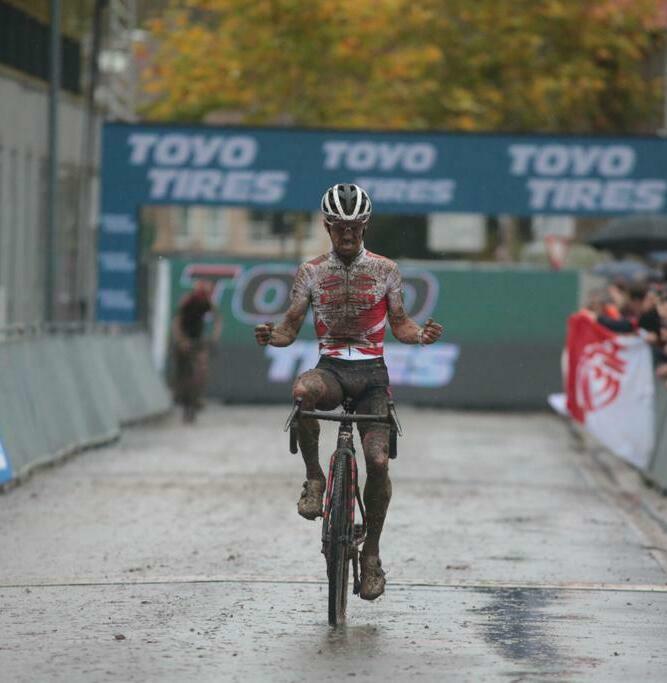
(353, 293)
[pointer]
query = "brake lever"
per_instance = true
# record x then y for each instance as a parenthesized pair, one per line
(292, 416)
(393, 416)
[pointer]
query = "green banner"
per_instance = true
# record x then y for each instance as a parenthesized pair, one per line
(479, 305)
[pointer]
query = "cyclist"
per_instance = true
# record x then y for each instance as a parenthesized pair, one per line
(353, 293)
(190, 348)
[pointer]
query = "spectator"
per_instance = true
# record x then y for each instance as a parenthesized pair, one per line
(635, 301)
(618, 293)
(661, 307)
(649, 318)
(634, 309)
(603, 307)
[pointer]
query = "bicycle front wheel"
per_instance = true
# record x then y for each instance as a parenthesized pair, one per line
(338, 561)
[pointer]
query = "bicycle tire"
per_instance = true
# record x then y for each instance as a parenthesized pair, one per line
(338, 560)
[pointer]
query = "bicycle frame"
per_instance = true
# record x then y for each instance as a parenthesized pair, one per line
(355, 534)
(345, 448)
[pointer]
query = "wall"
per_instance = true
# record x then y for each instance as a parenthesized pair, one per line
(23, 196)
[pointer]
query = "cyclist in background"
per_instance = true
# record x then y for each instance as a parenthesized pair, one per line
(191, 348)
(353, 293)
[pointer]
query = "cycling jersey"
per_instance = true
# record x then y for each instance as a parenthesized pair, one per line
(350, 302)
(193, 310)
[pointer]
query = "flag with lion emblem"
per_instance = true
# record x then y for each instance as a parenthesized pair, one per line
(609, 386)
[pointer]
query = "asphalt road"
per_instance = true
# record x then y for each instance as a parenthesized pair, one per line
(177, 555)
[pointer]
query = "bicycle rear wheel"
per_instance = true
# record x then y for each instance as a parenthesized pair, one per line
(338, 561)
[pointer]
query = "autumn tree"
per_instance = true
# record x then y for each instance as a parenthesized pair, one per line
(510, 65)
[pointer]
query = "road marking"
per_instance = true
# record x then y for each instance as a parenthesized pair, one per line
(309, 580)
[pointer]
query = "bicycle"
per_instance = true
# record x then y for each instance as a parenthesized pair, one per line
(341, 536)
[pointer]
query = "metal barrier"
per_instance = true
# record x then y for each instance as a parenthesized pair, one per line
(657, 470)
(67, 387)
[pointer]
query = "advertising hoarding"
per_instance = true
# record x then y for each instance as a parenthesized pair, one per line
(501, 348)
(288, 169)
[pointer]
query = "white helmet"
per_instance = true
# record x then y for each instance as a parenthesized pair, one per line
(346, 202)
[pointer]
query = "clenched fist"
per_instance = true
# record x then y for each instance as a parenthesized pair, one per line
(431, 332)
(263, 333)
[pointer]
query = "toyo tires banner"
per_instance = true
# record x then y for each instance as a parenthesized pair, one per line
(502, 341)
(288, 169)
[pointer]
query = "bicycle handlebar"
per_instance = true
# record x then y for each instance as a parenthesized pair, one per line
(345, 417)
(391, 418)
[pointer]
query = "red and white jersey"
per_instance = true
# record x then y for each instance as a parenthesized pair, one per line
(350, 303)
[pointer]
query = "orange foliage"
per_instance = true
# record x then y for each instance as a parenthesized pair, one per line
(515, 65)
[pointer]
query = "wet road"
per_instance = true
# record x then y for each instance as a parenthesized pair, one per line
(178, 555)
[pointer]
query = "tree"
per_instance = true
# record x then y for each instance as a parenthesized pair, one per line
(508, 65)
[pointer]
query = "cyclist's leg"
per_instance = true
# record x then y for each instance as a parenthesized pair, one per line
(318, 389)
(375, 442)
(184, 383)
(200, 374)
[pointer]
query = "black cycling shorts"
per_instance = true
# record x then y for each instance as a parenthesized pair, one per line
(366, 382)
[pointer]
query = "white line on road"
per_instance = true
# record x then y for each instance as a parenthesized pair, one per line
(472, 585)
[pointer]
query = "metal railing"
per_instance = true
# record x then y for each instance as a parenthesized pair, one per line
(16, 331)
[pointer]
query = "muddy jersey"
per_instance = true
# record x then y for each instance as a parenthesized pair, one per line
(350, 303)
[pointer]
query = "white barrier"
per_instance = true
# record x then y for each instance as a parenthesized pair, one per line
(60, 393)
(657, 470)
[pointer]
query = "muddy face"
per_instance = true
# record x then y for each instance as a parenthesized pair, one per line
(346, 237)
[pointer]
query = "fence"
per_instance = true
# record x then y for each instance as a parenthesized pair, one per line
(69, 387)
(657, 470)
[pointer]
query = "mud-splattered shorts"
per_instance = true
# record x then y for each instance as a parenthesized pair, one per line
(364, 381)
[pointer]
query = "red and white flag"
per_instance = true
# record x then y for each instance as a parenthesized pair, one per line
(609, 385)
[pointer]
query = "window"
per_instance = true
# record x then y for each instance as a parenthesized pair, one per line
(271, 225)
(24, 45)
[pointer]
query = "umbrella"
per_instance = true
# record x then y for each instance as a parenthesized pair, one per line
(659, 257)
(633, 234)
(625, 270)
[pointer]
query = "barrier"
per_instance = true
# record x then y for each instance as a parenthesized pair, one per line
(657, 470)
(70, 390)
(612, 395)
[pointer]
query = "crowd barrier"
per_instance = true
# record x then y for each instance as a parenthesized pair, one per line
(70, 388)
(657, 470)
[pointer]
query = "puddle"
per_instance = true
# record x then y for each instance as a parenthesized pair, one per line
(515, 625)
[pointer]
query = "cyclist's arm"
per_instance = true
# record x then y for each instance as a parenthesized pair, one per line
(217, 324)
(404, 328)
(286, 331)
(178, 336)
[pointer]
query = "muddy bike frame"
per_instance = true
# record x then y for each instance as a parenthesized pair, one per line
(341, 536)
